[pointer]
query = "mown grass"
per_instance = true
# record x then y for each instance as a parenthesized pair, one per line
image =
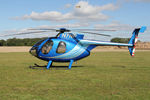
(101, 76)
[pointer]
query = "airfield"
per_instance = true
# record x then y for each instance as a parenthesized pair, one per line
(107, 74)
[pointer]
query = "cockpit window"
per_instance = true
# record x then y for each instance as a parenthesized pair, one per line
(61, 47)
(47, 47)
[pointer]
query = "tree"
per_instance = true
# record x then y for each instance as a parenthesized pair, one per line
(120, 40)
(2, 42)
(20, 42)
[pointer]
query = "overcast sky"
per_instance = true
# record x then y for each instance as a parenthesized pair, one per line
(19, 15)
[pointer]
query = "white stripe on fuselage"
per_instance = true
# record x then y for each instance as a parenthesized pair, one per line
(90, 42)
(75, 52)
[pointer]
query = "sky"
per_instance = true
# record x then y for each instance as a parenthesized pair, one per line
(121, 15)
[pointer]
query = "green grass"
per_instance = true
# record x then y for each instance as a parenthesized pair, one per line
(101, 76)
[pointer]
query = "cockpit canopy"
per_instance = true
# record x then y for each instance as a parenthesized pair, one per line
(47, 47)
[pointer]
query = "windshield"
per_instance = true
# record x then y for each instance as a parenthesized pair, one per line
(47, 47)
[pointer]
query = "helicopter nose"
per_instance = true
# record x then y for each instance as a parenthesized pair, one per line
(33, 51)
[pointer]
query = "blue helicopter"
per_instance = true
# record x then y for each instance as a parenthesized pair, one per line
(67, 47)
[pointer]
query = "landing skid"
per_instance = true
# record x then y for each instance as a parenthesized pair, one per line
(36, 66)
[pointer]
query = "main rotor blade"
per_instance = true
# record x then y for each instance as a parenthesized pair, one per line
(23, 33)
(72, 29)
(91, 30)
(43, 29)
(97, 34)
(40, 30)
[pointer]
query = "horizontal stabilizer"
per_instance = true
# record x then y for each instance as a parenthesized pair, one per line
(143, 28)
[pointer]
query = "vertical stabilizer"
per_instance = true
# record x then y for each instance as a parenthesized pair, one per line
(134, 39)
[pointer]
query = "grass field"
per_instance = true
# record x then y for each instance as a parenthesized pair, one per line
(101, 76)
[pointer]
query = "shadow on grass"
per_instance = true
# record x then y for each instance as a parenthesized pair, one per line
(52, 67)
(119, 66)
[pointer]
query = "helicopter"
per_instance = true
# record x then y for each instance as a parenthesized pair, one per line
(67, 47)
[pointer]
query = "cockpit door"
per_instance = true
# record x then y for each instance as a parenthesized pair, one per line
(61, 48)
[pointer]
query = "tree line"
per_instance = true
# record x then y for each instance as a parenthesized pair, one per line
(20, 42)
(120, 40)
(32, 41)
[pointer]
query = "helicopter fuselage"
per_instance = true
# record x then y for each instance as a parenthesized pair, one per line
(59, 50)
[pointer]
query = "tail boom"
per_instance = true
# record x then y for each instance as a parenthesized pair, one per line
(90, 44)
